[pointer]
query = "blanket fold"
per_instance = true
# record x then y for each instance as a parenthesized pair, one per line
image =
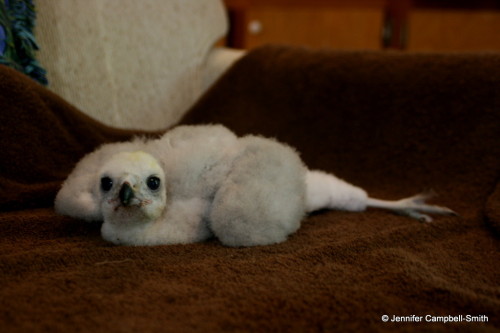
(393, 123)
(42, 137)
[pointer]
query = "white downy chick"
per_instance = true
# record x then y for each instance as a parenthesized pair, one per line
(196, 182)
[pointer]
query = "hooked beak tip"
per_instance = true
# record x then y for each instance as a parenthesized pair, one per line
(126, 194)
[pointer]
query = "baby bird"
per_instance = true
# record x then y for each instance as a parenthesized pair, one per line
(197, 182)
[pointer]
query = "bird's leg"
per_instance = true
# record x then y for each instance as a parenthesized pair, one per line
(414, 207)
(325, 190)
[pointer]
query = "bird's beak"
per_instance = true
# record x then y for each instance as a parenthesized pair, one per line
(126, 194)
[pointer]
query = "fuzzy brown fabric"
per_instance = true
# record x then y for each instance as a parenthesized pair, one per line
(392, 123)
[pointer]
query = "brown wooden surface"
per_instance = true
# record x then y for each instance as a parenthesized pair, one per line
(340, 28)
(454, 30)
(414, 25)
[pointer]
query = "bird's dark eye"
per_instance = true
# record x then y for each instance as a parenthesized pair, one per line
(153, 182)
(106, 184)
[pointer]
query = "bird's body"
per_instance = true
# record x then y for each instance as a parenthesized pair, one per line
(196, 182)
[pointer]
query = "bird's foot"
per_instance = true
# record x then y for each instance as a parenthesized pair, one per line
(416, 207)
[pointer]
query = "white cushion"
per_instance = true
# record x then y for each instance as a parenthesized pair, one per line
(128, 63)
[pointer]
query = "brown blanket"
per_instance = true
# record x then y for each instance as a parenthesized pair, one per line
(393, 123)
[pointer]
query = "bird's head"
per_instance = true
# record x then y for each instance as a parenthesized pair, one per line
(132, 187)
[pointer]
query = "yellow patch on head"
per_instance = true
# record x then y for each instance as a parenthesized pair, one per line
(140, 156)
(132, 162)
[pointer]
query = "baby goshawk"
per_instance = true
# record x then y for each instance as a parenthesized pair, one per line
(196, 182)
